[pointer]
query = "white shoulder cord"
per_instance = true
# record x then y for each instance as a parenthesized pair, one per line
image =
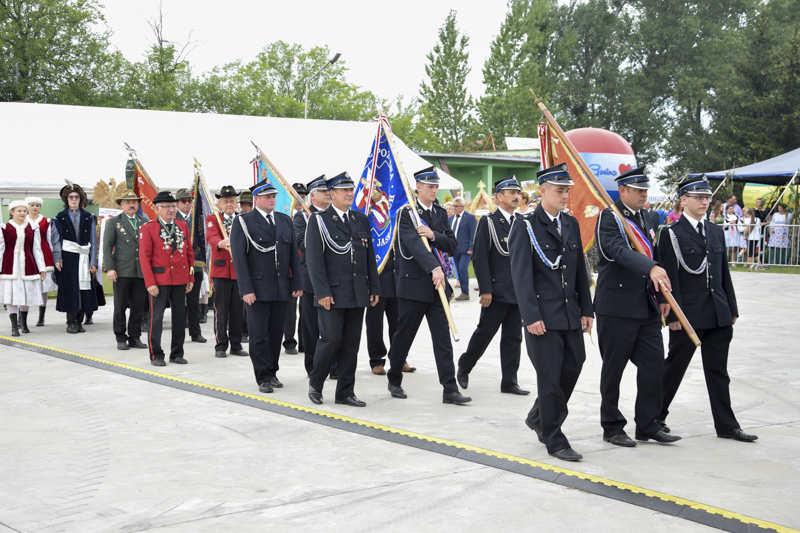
(495, 240)
(676, 247)
(257, 246)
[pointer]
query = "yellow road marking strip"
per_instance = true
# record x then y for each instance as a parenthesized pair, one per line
(611, 483)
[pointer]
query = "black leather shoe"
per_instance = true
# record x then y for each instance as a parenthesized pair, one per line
(275, 382)
(88, 320)
(221, 354)
(620, 440)
(136, 343)
(239, 352)
(514, 389)
(737, 434)
(246, 338)
(158, 362)
(462, 378)
(663, 424)
(567, 454)
(178, 360)
(122, 345)
(80, 328)
(352, 401)
(397, 391)
(314, 395)
(265, 387)
(334, 376)
(291, 351)
(72, 327)
(198, 338)
(455, 397)
(658, 436)
(531, 424)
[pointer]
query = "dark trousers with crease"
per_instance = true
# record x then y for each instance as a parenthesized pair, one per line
(309, 322)
(193, 303)
(265, 321)
(411, 314)
(714, 349)
(176, 296)
(290, 324)
(340, 337)
(128, 292)
(374, 322)
(639, 341)
(492, 317)
(558, 358)
(228, 314)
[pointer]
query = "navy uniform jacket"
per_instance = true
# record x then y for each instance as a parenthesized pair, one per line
(706, 302)
(466, 231)
(559, 297)
(270, 278)
(413, 262)
(299, 222)
(492, 268)
(622, 282)
(349, 277)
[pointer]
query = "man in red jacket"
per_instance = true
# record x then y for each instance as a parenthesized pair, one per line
(166, 258)
(228, 306)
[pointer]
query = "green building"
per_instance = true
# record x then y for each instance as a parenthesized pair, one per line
(471, 167)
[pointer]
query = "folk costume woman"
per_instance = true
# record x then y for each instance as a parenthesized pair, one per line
(22, 268)
(43, 223)
(73, 233)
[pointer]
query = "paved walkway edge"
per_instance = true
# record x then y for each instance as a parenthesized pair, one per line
(656, 501)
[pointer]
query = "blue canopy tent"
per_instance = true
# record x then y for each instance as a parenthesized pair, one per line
(776, 171)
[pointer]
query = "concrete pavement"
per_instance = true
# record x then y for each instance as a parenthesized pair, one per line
(87, 449)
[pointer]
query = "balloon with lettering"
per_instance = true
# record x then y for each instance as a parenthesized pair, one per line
(607, 153)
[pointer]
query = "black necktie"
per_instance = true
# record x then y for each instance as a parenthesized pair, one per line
(346, 221)
(700, 228)
(270, 221)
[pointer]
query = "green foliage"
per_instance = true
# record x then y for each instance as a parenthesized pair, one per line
(50, 50)
(447, 108)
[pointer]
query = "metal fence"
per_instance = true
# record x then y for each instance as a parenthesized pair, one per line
(762, 245)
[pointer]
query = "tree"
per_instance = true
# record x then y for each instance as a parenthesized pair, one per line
(446, 106)
(50, 50)
(530, 52)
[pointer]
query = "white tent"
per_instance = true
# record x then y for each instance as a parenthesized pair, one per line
(41, 144)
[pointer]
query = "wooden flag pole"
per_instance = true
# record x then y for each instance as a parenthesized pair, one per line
(415, 217)
(202, 180)
(284, 183)
(576, 158)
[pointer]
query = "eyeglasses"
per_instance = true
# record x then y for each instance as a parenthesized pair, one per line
(74, 197)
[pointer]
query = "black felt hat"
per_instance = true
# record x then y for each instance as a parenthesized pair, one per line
(227, 190)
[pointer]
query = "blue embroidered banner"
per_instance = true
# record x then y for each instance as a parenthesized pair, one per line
(283, 200)
(380, 194)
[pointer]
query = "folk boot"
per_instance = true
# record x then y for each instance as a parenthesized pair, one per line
(203, 313)
(14, 326)
(42, 310)
(23, 322)
(89, 318)
(72, 323)
(79, 322)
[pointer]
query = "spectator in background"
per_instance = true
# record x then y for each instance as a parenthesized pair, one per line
(733, 233)
(718, 215)
(736, 207)
(761, 213)
(779, 235)
(752, 234)
(524, 201)
(463, 224)
(676, 212)
(448, 206)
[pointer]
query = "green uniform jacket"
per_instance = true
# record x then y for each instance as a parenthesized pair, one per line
(121, 246)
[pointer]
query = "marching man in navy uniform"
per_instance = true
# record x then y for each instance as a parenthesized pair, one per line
(419, 274)
(344, 275)
(552, 289)
(268, 270)
(693, 254)
(629, 314)
(167, 261)
(498, 300)
(309, 322)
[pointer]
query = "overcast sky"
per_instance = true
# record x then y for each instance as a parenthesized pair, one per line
(383, 43)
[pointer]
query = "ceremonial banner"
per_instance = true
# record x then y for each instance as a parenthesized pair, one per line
(139, 181)
(584, 202)
(201, 207)
(380, 194)
(283, 201)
